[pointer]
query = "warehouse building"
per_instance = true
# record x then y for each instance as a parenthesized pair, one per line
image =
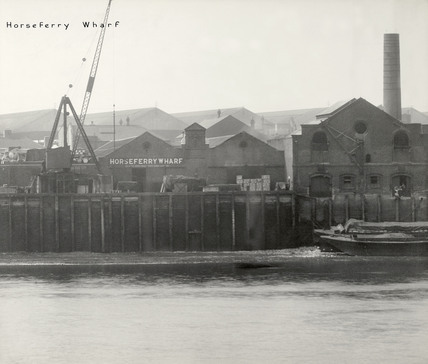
(359, 148)
(147, 158)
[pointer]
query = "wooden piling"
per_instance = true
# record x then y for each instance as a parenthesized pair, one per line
(102, 218)
(122, 223)
(26, 227)
(202, 223)
(186, 221)
(90, 224)
(56, 212)
(397, 209)
(10, 240)
(217, 219)
(41, 222)
(140, 224)
(233, 222)
(170, 223)
(154, 223)
(72, 224)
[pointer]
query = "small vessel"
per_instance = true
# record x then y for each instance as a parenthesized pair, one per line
(377, 247)
(375, 238)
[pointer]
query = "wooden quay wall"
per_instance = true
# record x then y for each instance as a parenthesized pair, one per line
(223, 221)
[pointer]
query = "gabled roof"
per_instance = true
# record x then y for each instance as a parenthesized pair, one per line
(331, 112)
(335, 108)
(215, 143)
(111, 147)
(195, 126)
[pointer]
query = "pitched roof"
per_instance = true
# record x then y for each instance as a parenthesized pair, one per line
(149, 118)
(240, 113)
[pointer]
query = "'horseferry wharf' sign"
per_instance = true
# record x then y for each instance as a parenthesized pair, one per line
(144, 162)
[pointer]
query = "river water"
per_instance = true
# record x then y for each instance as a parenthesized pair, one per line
(306, 307)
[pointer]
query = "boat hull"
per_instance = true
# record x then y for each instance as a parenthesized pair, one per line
(377, 248)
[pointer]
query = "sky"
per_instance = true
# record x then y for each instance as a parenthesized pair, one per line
(189, 55)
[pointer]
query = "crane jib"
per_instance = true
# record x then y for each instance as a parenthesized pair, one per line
(90, 84)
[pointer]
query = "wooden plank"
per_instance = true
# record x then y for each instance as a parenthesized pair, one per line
(56, 208)
(90, 224)
(186, 221)
(293, 210)
(154, 223)
(110, 222)
(263, 205)
(217, 219)
(103, 233)
(140, 223)
(247, 217)
(41, 216)
(122, 222)
(10, 241)
(72, 224)
(26, 222)
(202, 223)
(379, 208)
(170, 223)
(278, 231)
(233, 222)
(397, 209)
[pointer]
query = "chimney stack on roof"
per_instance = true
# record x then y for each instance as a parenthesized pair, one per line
(391, 75)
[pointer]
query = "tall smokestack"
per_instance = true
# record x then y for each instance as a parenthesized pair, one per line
(391, 75)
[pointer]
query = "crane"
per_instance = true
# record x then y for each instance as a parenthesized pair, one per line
(90, 84)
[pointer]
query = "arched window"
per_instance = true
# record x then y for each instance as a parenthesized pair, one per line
(401, 140)
(319, 141)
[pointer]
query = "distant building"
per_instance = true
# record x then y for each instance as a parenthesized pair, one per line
(359, 148)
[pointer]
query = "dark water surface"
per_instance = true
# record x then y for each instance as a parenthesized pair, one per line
(303, 308)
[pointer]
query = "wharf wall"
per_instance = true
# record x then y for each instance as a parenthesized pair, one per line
(147, 222)
(330, 211)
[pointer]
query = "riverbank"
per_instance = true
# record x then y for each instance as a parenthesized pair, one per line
(86, 258)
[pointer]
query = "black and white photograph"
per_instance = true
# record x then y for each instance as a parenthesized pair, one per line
(213, 181)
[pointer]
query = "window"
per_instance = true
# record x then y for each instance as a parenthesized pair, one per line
(360, 127)
(401, 140)
(347, 182)
(374, 181)
(368, 158)
(402, 185)
(319, 141)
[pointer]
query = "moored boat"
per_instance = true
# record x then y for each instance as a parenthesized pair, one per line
(377, 247)
(394, 234)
